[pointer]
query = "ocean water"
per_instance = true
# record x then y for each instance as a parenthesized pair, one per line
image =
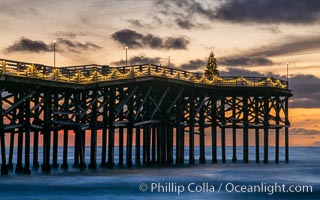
(205, 181)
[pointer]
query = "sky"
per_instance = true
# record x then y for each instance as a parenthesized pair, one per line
(248, 37)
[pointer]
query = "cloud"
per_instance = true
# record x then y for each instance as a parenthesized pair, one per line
(186, 14)
(28, 45)
(268, 11)
(184, 23)
(135, 60)
(303, 131)
(245, 61)
(138, 23)
(69, 34)
(130, 38)
(240, 72)
(271, 29)
(306, 91)
(176, 43)
(296, 45)
(37, 46)
(183, 13)
(75, 46)
(194, 64)
(261, 56)
(136, 40)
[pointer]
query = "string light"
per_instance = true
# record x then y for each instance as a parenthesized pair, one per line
(83, 77)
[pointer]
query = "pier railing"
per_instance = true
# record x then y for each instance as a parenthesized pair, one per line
(86, 74)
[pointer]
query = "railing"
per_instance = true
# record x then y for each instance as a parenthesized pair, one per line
(87, 74)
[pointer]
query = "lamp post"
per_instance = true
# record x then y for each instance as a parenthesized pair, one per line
(126, 56)
(168, 61)
(288, 74)
(54, 54)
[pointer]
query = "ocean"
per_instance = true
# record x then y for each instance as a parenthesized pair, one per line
(300, 179)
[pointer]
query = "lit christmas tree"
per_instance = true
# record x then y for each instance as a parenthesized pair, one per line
(212, 67)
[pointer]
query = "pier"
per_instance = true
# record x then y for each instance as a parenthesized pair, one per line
(157, 108)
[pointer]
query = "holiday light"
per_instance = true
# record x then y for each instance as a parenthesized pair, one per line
(92, 75)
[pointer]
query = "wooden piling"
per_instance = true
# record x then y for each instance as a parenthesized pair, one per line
(277, 108)
(191, 132)
(214, 130)
(129, 146)
(110, 163)
(256, 120)
(55, 133)
(64, 165)
(93, 146)
(245, 130)
(19, 167)
(202, 159)
(35, 162)
(121, 130)
(234, 130)
(137, 156)
(26, 169)
(169, 146)
(266, 130)
(105, 119)
(223, 130)
(4, 169)
(287, 124)
(46, 167)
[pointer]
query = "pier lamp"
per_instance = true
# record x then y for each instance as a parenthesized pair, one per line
(288, 74)
(54, 54)
(126, 56)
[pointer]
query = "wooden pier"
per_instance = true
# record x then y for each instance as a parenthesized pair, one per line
(157, 107)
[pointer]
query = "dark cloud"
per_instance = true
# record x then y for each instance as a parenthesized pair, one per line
(135, 60)
(75, 46)
(303, 131)
(290, 47)
(136, 40)
(245, 61)
(129, 38)
(186, 13)
(153, 42)
(194, 64)
(189, 23)
(36, 46)
(268, 11)
(184, 23)
(306, 91)
(176, 43)
(261, 56)
(28, 45)
(183, 13)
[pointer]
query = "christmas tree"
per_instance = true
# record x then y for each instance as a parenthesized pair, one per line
(212, 67)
